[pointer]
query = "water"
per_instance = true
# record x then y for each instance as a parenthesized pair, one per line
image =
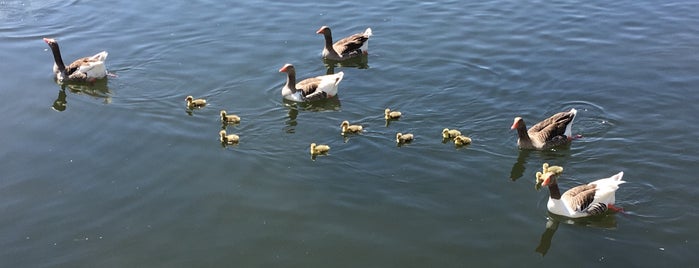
(120, 174)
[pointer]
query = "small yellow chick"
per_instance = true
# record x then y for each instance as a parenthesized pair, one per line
(232, 119)
(462, 140)
(388, 114)
(404, 138)
(319, 149)
(194, 103)
(228, 139)
(347, 128)
(450, 133)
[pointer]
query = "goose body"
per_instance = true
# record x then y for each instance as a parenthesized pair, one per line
(450, 133)
(228, 139)
(551, 132)
(83, 69)
(317, 149)
(346, 48)
(310, 89)
(591, 199)
(194, 103)
(229, 118)
(347, 128)
(388, 114)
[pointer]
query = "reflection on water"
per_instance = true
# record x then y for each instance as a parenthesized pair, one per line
(605, 221)
(519, 166)
(331, 104)
(97, 89)
(361, 62)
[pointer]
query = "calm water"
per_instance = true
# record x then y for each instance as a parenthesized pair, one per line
(120, 174)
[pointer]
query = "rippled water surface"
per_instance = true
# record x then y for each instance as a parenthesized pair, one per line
(121, 174)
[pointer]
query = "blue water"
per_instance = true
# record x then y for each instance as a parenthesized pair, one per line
(121, 174)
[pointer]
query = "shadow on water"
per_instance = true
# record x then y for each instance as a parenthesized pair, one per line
(519, 166)
(361, 62)
(606, 221)
(97, 89)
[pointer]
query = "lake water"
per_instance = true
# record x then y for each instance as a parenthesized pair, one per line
(121, 174)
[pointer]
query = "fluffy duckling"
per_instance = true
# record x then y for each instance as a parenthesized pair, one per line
(232, 119)
(388, 114)
(228, 139)
(404, 138)
(462, 140)
(317, 149)
(450, 133)
(194, 103)
(347, 128)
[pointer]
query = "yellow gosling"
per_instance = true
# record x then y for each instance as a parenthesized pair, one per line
(450, 133)
(228, 139)
(462, 140)
(194, 103)
(404, 138)
(226, 118)
(388, 114)
(317, 149)
(347, 128)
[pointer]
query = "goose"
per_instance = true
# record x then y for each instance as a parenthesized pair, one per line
(462, 140)
(549, 133)
(310, 89)
(83, 69)
(195, 103)
(317, 149)
(591, 199)
(228, 139)
(346, 48)
(347, 128)
(229, 119)
(450, 133)
(388, 114)
(404, 138)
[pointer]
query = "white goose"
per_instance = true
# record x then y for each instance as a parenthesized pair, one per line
(83, 69)
(310, 89)
(346, 48)
(591, 199)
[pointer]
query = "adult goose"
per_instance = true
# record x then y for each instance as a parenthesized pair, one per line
(310, 89)
(346, 48)
(552, 132)
(594, 198)
(83, 69)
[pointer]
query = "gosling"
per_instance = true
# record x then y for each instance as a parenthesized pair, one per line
(404, 138)
(194, 103)
(319, 149)
(228, 139)
(450, 133)
(388, 114)
(229, 119)
(347, 128)
(462, 140)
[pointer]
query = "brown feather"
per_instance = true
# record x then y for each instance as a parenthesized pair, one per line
(580, 197)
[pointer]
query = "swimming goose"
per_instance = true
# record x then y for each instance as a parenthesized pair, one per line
(404, 138)
(310, 89)
(462, 140)
(229, 118)
(83, 69)
(347, 48)
(228, 139)
(317, 149)
(347, 128)
(594, 198)
(450, 133)
(551, 132)
(388, 114)
(194, 103)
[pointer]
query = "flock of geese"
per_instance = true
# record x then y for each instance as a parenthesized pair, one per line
(591, 199)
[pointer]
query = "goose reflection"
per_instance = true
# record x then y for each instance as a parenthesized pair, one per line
(606, 221)
(361, 62)
(519, 166)
(97, 89)
(330, 104)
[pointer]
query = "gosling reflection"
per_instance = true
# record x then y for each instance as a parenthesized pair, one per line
(606, 221)
(361, 62)
(97, 89)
